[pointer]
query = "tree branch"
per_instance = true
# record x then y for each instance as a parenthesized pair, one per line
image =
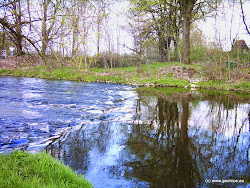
(243, 17)
(7, 25)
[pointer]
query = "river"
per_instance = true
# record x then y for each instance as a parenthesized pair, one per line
(122, 136)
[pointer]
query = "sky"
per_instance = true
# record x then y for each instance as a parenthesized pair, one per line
(227, 25)
(221, 29)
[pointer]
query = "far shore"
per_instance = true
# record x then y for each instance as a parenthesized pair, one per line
(152, 75)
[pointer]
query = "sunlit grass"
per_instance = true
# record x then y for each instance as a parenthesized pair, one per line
(22, 169)
(159, 74)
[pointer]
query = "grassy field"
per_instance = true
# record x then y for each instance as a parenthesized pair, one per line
(23, 169)
(155, 74)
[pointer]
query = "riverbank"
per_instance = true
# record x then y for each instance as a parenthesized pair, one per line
(23, 169)
(154, 74)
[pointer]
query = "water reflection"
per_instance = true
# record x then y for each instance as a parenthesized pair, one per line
(178, 140)
(119, 137)
(162, 150)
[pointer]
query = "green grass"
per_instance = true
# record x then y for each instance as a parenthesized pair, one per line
(242, 85)
(128, 75)
(162, 91)
(239, 86)
(23, 169)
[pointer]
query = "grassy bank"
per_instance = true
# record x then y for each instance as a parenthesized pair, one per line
(183, 94)
(155, 74)
(22, 169)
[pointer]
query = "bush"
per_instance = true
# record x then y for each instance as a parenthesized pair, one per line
(198, 54)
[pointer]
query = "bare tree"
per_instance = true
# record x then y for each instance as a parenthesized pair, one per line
(20, 14)
(140, 33)
(101, 7)
(78, 9)
(12, 18)
(49, 14)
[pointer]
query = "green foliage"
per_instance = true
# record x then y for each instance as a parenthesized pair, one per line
(242, 85)
(238, 55)
(198, 54)
(60, 74)
(130, 69)
(209, 83)
(5, 71)
(22, 169)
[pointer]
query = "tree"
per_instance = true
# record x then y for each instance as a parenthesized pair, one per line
(78, 21)
(169, 16)
(192, 10)
(49, 14)
(164, 22)
(12, 18)
(186, 7)
(100, 15)
(3, 38)
(244, 18)
(17, 16)
(140, 33)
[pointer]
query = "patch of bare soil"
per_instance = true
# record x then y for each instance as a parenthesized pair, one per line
(13, 62)
(177, 71)
(102, 74)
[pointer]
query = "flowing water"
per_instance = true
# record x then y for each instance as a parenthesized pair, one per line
(120, 136)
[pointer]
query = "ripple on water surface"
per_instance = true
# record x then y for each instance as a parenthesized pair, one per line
(34, 109)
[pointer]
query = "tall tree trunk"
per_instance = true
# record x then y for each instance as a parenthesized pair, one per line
(186, 11)
(186, 39)
(44, 28)
(98, 35)
(3, 39)
(139, 55)
(164, 46)
(18, 35)
(176, 57)
(75, 36)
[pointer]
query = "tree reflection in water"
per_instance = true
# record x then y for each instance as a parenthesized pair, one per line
(162, 150)
(172, 141)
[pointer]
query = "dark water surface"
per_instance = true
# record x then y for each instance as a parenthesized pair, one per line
(121, 137)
